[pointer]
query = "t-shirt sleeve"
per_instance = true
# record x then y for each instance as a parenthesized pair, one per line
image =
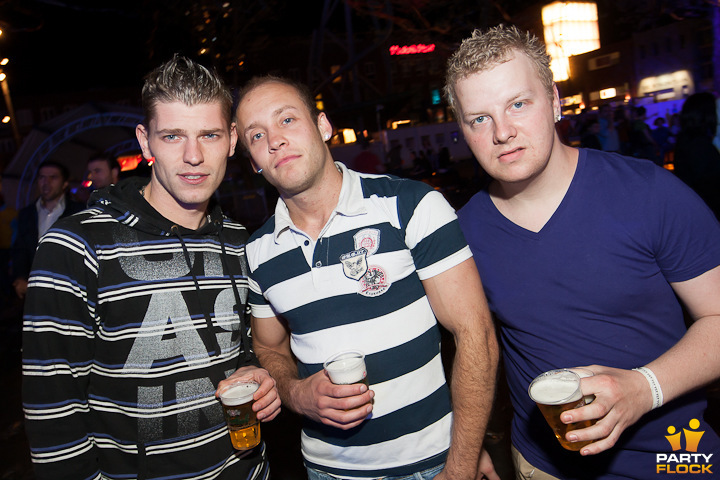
(434, 237)
(259, 306)
(687, 243)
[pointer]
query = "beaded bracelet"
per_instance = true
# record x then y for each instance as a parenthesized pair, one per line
(654, 386)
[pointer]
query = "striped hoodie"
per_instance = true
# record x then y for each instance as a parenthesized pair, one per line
(130, 323)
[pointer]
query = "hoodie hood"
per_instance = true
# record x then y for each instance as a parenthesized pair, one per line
(123, 202)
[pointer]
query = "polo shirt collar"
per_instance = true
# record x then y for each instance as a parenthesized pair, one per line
(349, 204)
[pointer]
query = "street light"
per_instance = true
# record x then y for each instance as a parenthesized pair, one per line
(8, 102)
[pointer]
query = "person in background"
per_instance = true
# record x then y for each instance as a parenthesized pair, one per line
(136, 309)
(367, 161)
(103, 171)
(370, 262)
(697, 161)
(642, 143)
(663, 139)
(608, 135)
(587, 259)
(622, 127)
(8, 219)
(35, 219)
(591, 136)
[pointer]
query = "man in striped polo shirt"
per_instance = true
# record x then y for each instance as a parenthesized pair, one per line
(364, 262)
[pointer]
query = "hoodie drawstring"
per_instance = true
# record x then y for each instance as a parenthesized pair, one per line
(244, 326)
(209, 339)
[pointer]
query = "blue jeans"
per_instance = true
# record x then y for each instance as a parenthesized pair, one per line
(428, 474)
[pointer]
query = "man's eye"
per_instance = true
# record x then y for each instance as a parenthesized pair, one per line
(287, 120)
(256, 136)
(170, 137)
(211, 135)
(478, 120)
(517, 105)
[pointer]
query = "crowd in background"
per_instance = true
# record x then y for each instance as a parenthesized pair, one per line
(687, 142)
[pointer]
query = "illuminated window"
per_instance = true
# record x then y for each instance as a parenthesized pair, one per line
(570, 28)
(608, 93)
(348, 135)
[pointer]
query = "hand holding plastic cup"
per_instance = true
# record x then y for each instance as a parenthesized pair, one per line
(584, 373)
(346, 368)
(242, 422)
(555, 392)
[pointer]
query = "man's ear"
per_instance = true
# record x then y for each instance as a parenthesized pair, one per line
(557, 111)
(141, 134)
(324, 126)
(233, 139)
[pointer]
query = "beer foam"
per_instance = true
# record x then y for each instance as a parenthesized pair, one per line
(238, 394)
(345, 371)
(555, 391)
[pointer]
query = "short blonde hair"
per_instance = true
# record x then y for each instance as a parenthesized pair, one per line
(483, 51)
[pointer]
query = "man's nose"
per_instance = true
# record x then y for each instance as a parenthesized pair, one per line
(276, 140)
(193, 152)
(504, 129)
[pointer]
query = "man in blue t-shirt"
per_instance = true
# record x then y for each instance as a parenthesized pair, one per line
(584, 255)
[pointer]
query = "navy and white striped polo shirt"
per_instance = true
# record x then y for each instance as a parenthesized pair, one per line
(358, 287)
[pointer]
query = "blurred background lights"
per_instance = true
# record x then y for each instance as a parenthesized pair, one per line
(349, 135)
(570, 28)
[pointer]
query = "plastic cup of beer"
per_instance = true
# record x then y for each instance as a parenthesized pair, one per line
(346, 368)
(555, 392)
(242, 422)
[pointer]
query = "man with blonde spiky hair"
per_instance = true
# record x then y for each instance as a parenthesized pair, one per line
(136, 309)
(584, 255)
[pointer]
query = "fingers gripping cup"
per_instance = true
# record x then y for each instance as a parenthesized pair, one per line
(242, 422)
(584, 373)
(346, 368)
(555, 392)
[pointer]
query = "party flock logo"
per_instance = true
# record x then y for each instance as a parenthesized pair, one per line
(683, 463)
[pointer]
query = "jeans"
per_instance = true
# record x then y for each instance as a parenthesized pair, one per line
(428, 474)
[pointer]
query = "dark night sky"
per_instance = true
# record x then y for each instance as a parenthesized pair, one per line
(55, 49)
(64, 46)
(58, 46)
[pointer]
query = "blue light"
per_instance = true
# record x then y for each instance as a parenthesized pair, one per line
(435, 96)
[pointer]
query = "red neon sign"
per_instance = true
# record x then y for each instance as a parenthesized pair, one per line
(412, 49)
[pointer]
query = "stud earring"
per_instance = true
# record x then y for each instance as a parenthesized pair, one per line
(327, 137)
(259, 171)
(558, 117)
